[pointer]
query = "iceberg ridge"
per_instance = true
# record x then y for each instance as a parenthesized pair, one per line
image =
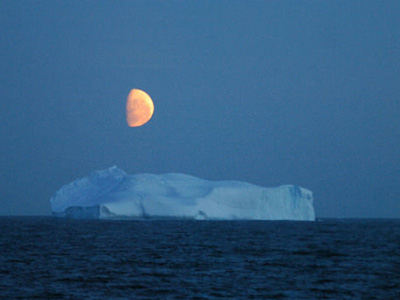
(112, 193)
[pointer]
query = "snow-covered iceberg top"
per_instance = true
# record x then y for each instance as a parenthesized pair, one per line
(112, 193)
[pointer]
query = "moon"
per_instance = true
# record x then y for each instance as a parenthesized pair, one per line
(139, 108)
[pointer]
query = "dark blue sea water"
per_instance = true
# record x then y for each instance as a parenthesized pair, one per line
(49, 258)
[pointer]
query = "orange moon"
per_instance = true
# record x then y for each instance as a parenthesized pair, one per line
(139, 108)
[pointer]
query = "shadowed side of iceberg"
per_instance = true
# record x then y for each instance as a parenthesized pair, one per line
(89, 212)
(111, 193)
(88, 191)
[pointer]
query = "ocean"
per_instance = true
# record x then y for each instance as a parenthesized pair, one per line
(51, 258)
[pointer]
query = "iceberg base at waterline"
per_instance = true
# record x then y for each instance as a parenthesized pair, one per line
(112, 193)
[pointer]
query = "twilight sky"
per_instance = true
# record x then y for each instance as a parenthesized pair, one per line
(268, 92)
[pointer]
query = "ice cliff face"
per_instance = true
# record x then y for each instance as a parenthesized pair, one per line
(112, 193)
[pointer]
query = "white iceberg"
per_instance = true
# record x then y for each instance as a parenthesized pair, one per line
(112, 193)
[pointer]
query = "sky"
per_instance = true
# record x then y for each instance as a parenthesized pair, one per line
(267, 92)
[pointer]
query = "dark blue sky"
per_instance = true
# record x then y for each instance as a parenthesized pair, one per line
(268, 92)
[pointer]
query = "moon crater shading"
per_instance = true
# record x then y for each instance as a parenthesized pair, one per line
(139, 108)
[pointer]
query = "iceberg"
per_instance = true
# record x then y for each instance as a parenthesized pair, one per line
(111, 193)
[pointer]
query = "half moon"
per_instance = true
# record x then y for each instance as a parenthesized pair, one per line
(139, 108)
